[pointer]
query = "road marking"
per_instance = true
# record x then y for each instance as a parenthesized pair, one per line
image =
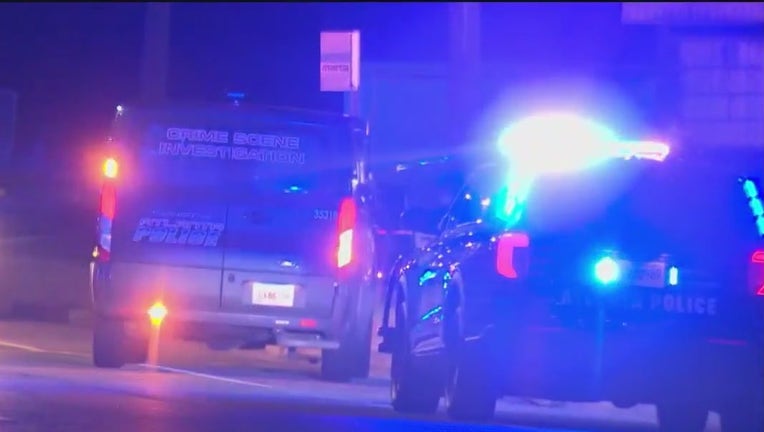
(21, 347)
(34, 349)
(204, 375)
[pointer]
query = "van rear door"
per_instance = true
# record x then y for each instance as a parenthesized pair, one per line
(169, 219)
(282, 225)
(167, 244)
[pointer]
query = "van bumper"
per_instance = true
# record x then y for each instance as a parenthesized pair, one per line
(204, 320)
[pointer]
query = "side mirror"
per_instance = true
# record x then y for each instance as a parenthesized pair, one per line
(421, 220)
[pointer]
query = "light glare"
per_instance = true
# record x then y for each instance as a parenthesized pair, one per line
(110, 168)
(157, 313)
(607, 271)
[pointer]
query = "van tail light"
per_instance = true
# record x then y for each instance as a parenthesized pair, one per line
(756, 274)
(507, 262)
(107, 211)
(108, 201)
(346, 222)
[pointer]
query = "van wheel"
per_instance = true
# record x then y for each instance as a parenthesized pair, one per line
(413, 389)
(363, 354)
(351, 360)
(109, 343)
(681, 417)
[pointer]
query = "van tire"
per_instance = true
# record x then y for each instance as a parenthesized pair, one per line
(353, 357)
(109, 343)
(339, 364)
(363, 353)
(351, 360)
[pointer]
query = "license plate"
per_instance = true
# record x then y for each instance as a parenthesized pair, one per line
(272, 294)
(648, 275)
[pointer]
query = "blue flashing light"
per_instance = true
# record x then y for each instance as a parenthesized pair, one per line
(673, 276)
(426, 277)
(434, 312)
(607, 271)
(508, 206)
(751, 190)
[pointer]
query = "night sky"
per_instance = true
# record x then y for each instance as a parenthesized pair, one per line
(72, 63)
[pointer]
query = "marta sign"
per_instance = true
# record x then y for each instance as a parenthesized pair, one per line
(340, 66)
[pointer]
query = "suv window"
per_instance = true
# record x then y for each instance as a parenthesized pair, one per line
(474, 199)
(465, 208)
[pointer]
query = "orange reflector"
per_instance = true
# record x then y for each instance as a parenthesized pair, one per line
(110, 168)
(157, 312)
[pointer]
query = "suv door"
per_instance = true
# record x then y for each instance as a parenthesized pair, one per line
(457, 229)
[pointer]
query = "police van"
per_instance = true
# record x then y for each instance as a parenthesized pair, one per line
(234, 226)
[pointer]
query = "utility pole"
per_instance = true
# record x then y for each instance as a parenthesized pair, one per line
(464, 71)
(156, 52)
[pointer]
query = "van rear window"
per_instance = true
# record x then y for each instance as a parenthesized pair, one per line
(204, 147)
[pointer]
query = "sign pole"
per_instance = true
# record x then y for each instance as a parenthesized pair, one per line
(464, 28)
(340, 71)
(155, 52)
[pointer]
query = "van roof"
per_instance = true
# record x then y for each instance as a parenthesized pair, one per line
(287, 113)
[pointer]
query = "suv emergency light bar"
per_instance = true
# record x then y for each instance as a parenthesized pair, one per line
(652, 150)
(565, 142)
(424, 162)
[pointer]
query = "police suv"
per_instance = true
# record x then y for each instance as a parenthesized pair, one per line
(635, 281)
(238, 227)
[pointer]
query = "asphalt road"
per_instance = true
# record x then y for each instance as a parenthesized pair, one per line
(47, 384)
